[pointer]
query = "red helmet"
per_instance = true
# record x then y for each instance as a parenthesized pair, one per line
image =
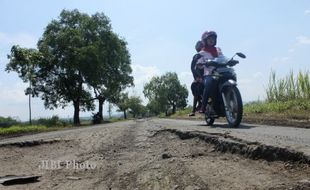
(206, 34)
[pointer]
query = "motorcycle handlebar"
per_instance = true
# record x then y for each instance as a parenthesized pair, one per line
(217, 64)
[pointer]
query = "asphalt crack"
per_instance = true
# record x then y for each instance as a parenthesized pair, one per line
(253, 150)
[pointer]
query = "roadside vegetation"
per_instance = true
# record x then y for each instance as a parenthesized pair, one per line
(10, 126)
(18, 129)
(287, 98)
(287, 102)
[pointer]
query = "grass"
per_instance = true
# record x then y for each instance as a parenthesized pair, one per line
(292, 109)
(112, 120)
(288, 88)
(51, 124)
(287, 97)
(186, 111)
(18, 129)
(298, 105)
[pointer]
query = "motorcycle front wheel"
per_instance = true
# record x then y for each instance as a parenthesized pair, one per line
(234, 106)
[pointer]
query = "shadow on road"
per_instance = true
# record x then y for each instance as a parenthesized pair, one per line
(225, 126)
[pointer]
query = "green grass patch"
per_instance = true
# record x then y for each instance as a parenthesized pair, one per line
(292, 109)
(112, 120)
(278, 107)
(186, 111)
(16, 129)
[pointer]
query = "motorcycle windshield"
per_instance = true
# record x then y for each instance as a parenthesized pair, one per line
(221, 59)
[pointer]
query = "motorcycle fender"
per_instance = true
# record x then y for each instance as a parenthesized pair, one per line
(230, 82)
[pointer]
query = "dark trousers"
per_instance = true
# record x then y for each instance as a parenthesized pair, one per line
(209, 87)
(197, 91)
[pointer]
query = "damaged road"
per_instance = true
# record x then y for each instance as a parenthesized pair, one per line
(161, 154)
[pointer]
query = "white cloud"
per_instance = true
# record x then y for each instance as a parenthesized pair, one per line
(251, 90)
(22, 39)
(187, 79)
(303, 40)
(307, 12)
(258, 75)
(278, 62)
(244, 81)
(280, 59)
(291, 50)
(15, 93)
(143, 74)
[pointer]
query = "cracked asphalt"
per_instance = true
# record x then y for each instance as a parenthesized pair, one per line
(144, 154)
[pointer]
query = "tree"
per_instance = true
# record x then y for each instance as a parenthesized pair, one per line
(166, 93)
(153, 107)
(135, 106)
(110, 106)
(79, 55)
(70, 52)
(122, 103)
(117, 69)
(87, 52)
(24, 61)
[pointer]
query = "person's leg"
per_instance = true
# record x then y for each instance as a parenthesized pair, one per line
(194, 92)
(200, 93)
(208, 86)
(194, 106)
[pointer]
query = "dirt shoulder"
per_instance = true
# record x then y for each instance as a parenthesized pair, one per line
(261, 119)
(141, 154)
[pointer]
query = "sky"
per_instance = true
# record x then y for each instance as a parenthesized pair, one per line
(161, 35)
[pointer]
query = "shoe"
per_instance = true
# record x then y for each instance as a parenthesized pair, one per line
(212, 111)
(198, 107)
(191, 114)
(202, 111)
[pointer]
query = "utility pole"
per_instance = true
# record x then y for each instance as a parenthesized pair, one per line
(30, 92)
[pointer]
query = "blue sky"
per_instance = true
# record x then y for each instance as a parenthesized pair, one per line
(161, 36)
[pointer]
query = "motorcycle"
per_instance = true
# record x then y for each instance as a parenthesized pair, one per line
(226, 101)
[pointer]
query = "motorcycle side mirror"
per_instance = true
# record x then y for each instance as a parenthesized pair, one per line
(241, 55)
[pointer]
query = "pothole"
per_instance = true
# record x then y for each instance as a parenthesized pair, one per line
(31, 143)
(247, 149)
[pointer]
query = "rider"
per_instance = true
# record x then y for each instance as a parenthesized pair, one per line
(197, 84)
(209, 51)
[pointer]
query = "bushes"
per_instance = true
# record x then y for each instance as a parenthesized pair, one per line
(7, 122)
(298, 105)
(16, 129)
(50, 122)
(54, 121)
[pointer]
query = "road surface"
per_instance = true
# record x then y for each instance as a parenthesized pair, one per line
(161, 154)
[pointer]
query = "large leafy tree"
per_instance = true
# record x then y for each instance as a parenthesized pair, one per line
(117, 69)
(165, 93)
(79, 55)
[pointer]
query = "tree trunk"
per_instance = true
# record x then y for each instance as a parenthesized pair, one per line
(173, 109)
(76, 118)
(101, 100)
(125, 116)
